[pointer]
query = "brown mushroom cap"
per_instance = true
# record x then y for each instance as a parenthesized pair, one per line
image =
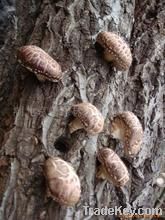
(90, 117)
(38, 61)
(62, 181)
(127, 127)
(114, 168)
(115, 49)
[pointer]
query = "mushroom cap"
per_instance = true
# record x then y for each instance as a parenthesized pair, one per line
(116, 171)
(62, 181)
(116, 48)
(90, 117)
(38, 61)
(127, 127)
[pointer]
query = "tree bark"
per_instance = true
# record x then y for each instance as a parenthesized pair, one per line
(33, 115)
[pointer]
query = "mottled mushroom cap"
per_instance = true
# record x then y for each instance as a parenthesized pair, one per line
(90, 117)
(115, 49)
(63, 182)
(116, 171)
(127, 127)
(39, 62)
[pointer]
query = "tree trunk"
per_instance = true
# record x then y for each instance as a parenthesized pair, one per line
(33, 114)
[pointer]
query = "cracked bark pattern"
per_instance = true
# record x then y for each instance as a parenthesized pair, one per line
(33, 114)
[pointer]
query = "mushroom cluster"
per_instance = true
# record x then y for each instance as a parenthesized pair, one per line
(62, 181)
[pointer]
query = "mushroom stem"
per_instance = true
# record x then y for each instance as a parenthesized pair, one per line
(107, 56)
(101, 173)
(75, 125)
(40, 78)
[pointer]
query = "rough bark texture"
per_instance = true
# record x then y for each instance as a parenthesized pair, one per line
(34, 114)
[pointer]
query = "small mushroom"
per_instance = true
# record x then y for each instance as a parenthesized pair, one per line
(39, 62)
(160, 181)
(116, 50)
(112, 167)
(62, 181)
(126, 127)
(87, 116)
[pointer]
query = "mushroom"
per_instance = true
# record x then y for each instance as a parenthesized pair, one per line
(39, 62)
(87, 116)
(112, 167)
(160, 181)
(62, 181)
(126, 127)
(115, 50)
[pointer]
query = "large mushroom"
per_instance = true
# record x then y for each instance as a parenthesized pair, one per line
(116, 50)
(112, 167)
(126, 127)
(87, 116)
(62, 181)
(39, 62)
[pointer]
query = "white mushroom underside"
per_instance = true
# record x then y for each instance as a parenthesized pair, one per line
(118, 134)
(108, 56)
(75, 125)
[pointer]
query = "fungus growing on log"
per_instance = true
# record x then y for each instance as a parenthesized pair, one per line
(62, 181)
(126, 127)
(39, 62)
(87, 116)
(116, 50)
(160, 181)
(112, 167)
